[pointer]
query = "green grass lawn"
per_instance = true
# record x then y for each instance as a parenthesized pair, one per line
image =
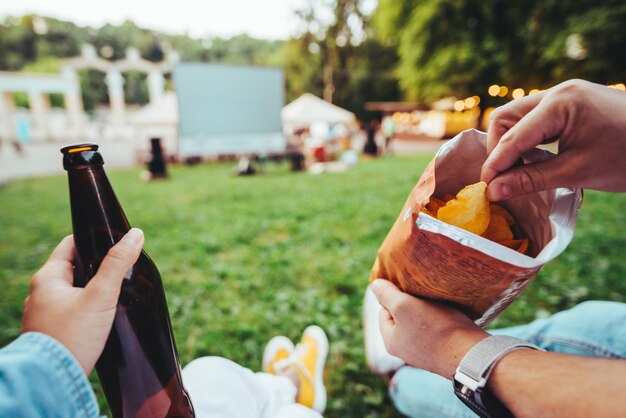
(244, 259)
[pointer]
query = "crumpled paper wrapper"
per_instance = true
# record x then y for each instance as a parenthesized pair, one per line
(429, 258)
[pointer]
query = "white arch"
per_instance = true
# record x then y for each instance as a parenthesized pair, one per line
(38, 86)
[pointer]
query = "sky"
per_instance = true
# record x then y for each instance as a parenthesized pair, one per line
(265, 19)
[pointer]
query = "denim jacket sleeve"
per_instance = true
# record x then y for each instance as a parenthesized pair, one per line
(39, 377)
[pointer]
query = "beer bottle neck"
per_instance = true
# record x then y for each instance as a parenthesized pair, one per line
(97, 217)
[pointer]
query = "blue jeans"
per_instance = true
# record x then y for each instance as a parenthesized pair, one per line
(593, 329)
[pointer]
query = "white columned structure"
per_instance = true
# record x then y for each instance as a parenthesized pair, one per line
(39, 106)
(7, 125)
(73, 103)
(156, 84)
(78, 126)
(115, 83)
(37, 86)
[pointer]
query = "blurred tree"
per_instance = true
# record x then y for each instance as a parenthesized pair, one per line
(460, 47)
(445, 47)
(453, 47)
(93, 88)
(303, 66)
(371, 78)
(588, 40)
(16, 44)
(33, 43)
(135, 88)
(336, 57)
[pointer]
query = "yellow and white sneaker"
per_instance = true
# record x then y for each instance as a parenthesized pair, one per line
(277, 351)
(309, 358)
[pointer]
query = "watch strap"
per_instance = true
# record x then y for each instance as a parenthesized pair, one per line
(475, 368)
(480, 360)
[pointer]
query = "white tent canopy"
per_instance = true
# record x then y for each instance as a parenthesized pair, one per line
(308, 109)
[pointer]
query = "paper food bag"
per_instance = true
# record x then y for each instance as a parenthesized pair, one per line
(426, 257)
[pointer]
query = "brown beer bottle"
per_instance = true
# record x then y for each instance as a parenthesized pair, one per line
(138, 369)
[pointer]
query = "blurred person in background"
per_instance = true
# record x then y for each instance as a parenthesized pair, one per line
(370, 148)
(387, 126)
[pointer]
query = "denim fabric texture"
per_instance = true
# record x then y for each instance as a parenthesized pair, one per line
(593, 329)
(39, 377)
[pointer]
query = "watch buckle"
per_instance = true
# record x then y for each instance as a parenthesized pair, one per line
(469, 382)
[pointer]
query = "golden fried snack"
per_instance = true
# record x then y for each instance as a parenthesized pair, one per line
(469, 210)
(519, 245)
(499, 210)
(434, 205)
(498, 229)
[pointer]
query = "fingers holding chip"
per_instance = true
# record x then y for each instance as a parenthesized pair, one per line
(469, 210)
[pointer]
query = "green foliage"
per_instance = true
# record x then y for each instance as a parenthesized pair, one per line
(419, 50)
(47, 64)
(439, 42)
(303, 69)
(135, 88)
(338, 59)
(93, 89)
(601, 29)
(350, 63)
(244, 259)
(21, 45)
(21, 99)
(449, 47)
(370, 79)
(35, 44)
(390, 13)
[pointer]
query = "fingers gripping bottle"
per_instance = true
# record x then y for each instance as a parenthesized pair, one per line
(139, 368)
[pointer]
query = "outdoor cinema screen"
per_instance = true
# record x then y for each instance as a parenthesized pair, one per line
(229, 109)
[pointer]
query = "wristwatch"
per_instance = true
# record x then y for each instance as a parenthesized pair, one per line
(473, 372)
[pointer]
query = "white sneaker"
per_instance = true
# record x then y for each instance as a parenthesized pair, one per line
(378, 359)
(277, 349)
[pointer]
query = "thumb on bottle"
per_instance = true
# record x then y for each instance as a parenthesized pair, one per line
(105, 285)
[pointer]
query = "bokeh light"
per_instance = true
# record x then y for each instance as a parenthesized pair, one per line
(494, 89)
(517, 93)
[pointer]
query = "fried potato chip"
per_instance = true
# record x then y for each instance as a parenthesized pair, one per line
(512, 244)
(498, 229)
(499, 210)
(469, 210)
(434, 204)
(427, 212)
(524, 246)
(520, 245)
